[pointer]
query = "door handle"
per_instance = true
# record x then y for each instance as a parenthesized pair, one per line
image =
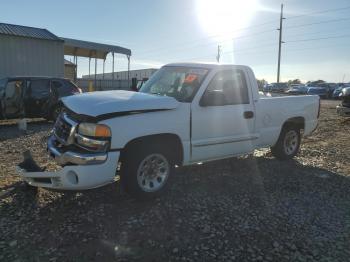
(248, 114)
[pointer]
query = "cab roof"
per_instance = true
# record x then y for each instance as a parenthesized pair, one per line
(207, 65)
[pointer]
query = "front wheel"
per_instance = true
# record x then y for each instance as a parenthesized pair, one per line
(288, 143)
(145, 171)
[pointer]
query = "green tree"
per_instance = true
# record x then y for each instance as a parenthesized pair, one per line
(294, 82)
(261, 83)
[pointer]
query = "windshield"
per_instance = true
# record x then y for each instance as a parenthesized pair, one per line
(181, 83)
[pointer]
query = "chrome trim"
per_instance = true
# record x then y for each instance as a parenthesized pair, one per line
(70, 157)
(88, 143)
(224, 141)
(74, 125)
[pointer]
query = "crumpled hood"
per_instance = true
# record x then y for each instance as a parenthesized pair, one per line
(107, 102)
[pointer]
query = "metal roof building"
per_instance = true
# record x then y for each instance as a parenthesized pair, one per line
(26, 31)
(29, 51)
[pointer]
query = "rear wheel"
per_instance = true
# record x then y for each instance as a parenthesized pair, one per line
(145, 170)
(288, 143)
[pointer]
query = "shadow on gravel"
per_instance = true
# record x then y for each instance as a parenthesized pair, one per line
(218, 210)
(9, 129)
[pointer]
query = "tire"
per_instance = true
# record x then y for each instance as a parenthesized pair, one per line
(138, 168)
(288, 143)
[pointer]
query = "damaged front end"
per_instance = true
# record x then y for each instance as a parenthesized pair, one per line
(344, 108)
(82, 150)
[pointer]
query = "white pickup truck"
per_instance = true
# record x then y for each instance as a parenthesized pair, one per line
(184, 114)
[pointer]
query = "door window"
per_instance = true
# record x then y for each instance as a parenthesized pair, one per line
(39, 88)
(62, 88)
(14, 89)
(13, 98)
(230, 86)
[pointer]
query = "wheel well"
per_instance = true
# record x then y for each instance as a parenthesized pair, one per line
(169, 141)
(295, 121)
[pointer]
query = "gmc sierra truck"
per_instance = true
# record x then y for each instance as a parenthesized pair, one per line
(184, 114)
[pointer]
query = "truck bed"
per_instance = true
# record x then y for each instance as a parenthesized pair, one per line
(272, 112)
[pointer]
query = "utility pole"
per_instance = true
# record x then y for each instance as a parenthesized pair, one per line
(219, 54)
(280, 45)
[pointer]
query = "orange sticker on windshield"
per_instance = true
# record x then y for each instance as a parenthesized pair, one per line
(190, 78)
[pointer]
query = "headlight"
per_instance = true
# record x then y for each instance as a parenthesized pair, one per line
(94, 137)
(94, 130)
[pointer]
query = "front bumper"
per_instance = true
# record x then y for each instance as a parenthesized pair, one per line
(81, 169)
(71, 157)
(75, 177)
(343, 111)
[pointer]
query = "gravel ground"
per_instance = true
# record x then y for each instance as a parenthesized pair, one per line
(246, 209)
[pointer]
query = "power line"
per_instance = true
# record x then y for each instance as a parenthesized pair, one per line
(270, 44)
(319, 12)
(263, 52)
(243, 51)
(238, 51)
(261, 32)
(214, 43)
(318, 32)
(250, 35)
(320, 38)
(315, 48)
(216, 35)
(207, 44)
(153, 51)
(317, 23)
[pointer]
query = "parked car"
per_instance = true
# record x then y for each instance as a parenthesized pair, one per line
(184, 114)
(330, 87)
(278, 87)
(320, 91)
(297, 90)
(344, 108)
(338, 90)
(33, 96)
(267, 88)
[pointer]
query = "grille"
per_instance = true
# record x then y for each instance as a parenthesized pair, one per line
(62, 129)
(346, 101)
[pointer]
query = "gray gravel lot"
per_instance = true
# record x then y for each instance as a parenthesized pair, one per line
(246, 209)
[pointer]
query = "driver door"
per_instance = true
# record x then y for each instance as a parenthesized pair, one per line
(13, 99)
(224, 125)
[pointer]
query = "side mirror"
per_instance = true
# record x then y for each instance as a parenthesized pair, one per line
(213, 98)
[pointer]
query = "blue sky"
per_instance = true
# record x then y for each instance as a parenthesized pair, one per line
(163, 31)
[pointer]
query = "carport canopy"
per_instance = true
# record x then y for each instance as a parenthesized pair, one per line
(74, 47)
(80, 48)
